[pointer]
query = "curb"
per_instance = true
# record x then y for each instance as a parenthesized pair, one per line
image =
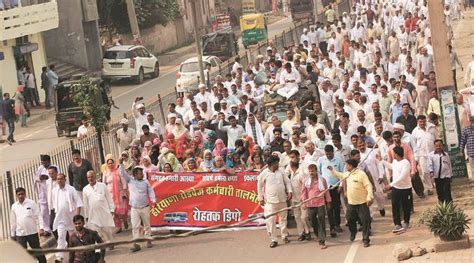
(39, 117)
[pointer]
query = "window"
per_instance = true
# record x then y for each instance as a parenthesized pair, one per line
(116, 54)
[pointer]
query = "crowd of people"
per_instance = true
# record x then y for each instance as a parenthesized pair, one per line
(375, 118)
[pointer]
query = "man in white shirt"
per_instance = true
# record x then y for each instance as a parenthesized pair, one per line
(234, 131)
(125, 135)
(274, 190)
(41, 182)
(139, 113)
(98, 207)
(67, 204)
(85, 129)
(305, 36)
(401, 189)
(202, 95)
(24, 219)
(423, 140)
(289, 80)
(181, 108)
(394, 69)
(327, 100)
(313, 36)
(154, 126)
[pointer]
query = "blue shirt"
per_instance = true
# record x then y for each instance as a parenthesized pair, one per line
(336, 163)
(140, 190)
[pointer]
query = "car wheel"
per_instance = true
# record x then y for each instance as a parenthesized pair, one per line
(156, 71)
(140, 77)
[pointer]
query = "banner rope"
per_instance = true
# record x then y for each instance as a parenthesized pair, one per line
(43, 251)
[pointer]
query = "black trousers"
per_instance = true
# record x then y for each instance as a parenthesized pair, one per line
(401, 199)
(359, 213)
(334, 209)
(324, 48)
(33, 241)
(454, 78)
(317, 217)
(30, 96)
(443, 189)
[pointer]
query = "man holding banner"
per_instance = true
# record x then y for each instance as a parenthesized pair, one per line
(274, 189)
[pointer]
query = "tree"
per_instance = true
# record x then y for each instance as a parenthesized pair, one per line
(149, 13)
(87, 93)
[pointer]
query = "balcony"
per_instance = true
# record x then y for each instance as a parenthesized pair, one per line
(31, 19)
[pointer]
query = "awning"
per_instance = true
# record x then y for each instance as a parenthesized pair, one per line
(24, 49)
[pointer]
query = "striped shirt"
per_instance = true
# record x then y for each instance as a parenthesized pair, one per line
(467, 141)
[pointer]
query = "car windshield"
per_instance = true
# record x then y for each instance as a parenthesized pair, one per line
(116, 54)
(190, 67)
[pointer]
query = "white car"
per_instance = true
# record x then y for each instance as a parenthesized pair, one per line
(129, 61)
(188, 72)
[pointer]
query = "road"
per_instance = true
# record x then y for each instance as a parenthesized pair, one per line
(41, 137)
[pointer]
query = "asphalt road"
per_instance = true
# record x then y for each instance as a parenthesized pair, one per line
(41, 137)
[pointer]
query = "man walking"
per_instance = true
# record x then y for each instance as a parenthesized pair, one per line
(296, 173)
(8, 115)
(77, 171)
(467, 142)
(98, 207)
(83, 237)
(423, 140)
(30, 85)
(334, 209)
(359, 196)
(41, 186)
(53, 81)
(67, 204)
(24, 218)
(439, 167)
(45, 85)
(401, 189)
(140, 195)
(274, 189)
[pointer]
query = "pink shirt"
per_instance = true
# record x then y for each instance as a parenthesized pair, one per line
(312, 190)
(407, 154)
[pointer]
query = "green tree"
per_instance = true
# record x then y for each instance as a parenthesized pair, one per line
(87, 94)
(149, 13)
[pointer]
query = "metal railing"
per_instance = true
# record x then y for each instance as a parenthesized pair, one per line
(61, 156)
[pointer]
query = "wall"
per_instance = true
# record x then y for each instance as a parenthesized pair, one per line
(157, 38)
(8, 76)
(69, 42)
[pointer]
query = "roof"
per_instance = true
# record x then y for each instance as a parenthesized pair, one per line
(122, 47)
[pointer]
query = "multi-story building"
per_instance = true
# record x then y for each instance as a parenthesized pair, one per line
(21, 42)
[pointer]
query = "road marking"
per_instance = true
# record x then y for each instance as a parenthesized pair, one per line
(350, 256)
(142, 85)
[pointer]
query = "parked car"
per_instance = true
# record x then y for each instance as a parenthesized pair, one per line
(188, 72)
(129, 61)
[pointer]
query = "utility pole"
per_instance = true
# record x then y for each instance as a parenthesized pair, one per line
(445, 85)
(197, 40)
(132, 17)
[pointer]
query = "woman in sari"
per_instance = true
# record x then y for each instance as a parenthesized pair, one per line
(171, 142)
(210, 141)
(135, 155)
(118, 188)
(171, 124)
(167, 168)
(197, 144)
(207, 163)
(167, 157)
(20, 109)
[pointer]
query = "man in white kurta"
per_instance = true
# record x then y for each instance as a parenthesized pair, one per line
(289, 80)
(67, 204)
(98, 207)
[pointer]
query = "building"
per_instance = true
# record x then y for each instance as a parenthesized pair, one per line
(21, 40)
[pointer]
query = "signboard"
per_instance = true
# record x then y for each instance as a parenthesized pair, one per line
(452, 132)
(248, 6)
(222, 21)
(25, 49)
(187, 201)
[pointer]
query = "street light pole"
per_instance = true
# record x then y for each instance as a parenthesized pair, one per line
(197, 40)
(132, 17)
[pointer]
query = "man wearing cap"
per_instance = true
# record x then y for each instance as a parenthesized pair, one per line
(139, 113)
(124, 135)
(304, 36)
(359, 196)
(274, 190)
